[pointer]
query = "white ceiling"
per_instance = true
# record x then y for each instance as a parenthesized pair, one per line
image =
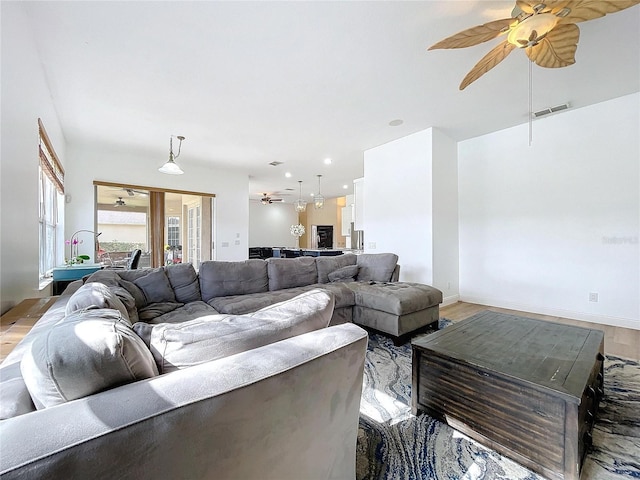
(249, 83)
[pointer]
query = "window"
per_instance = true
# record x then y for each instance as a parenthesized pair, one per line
(51, 192)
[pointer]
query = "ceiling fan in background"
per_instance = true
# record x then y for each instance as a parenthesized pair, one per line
(119, 202)
(267, 200)
(547, 31)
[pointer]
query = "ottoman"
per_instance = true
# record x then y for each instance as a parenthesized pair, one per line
(399, 309)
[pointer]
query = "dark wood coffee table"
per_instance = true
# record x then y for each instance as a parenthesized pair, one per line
(527, 388)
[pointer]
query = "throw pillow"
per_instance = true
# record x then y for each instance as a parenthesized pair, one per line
(86, 352)
(177, 346)
(95, 295)
(326, 265)
(156, 287)
(344, 274)
(184, 282)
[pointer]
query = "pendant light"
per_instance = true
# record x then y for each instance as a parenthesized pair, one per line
(300, 205)
(171, 167)
(318, 200)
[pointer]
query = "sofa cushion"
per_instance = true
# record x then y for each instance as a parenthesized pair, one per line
(137, 294)
(14, 395)
(377, 267)
(220, 279)
(156, 287)
(184, 282)
(291, 272)
(242, 304)
(398, 298)
(85, 353)
(326, 265)
(128, 301)
(177, 346)
(155, 310)
(344, 274)
(188, 311)
(95, 295)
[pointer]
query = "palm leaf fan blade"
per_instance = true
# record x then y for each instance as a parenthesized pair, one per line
(557, 49)
(583, 10)
(475, 35)
(490, 60)
(526, 5)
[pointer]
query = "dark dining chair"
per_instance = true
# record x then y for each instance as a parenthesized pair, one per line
(134, 259)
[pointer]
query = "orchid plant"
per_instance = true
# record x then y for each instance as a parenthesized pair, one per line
(74, 259)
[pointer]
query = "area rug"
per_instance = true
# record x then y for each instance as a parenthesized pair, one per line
(394, 444)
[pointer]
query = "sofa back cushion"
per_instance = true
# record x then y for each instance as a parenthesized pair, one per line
(96, 295)
(184, 282)
(291, 272)
(86, 352)
(176, 346)
(220, 279)
(377, 267)
(326, 265)
(155, 286)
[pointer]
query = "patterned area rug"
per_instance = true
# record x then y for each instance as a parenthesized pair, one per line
(394, 444)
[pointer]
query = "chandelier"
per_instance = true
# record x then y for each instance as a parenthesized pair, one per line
(318, 200)
(300, 205)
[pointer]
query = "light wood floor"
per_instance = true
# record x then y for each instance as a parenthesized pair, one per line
(621, 342)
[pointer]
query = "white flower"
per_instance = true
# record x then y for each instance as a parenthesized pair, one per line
(297, 230)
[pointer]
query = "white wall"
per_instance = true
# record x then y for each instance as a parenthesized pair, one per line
(410, 207)
(445, 216)
(25, 97)
(398, 204)
(542, 227)
(270, 225)
(109, 164)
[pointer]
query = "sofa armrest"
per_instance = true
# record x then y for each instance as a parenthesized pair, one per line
(395, 276)
(285, 410)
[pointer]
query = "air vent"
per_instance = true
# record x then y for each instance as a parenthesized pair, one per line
(275, 163)
(547, 111)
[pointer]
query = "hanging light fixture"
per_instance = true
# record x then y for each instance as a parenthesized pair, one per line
(300, 205)
(318, 200)
(171, 167)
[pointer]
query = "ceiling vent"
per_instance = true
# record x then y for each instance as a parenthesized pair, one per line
(547, 111)
(275, 163)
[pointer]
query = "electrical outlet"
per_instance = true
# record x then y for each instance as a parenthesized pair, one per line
(593, 297)
(372, 245)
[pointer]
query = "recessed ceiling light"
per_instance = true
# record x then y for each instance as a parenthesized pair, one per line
(395, 123)
(327, 161)
(345, 186)
(287, 174)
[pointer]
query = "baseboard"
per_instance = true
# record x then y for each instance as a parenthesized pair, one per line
(450, 300)
(557, 312)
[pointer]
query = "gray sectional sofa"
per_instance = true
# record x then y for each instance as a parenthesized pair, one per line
(246, 369)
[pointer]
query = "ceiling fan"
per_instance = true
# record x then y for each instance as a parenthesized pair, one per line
(546, 30)
(119, 202)
(132, 192)
(266, 199)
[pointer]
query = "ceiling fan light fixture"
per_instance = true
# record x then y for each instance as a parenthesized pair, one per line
(532, 30)
(171, 167)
